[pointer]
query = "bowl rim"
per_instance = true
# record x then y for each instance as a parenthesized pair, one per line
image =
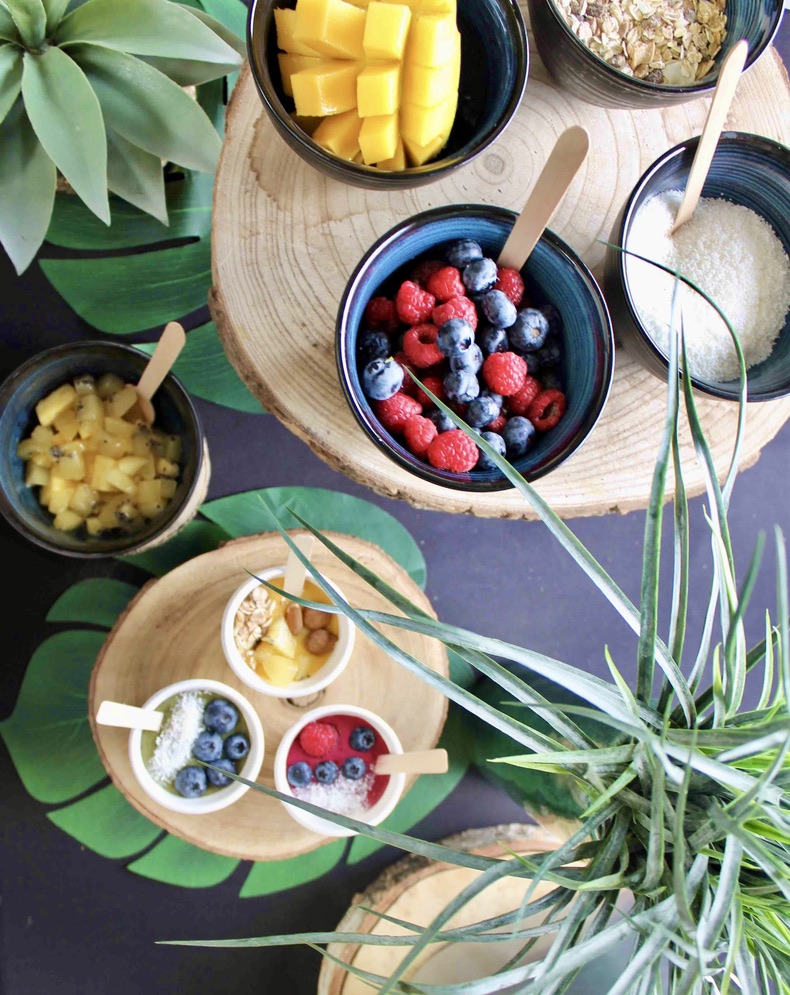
(222, 797)
(691, 90)
(732, 139)
(10, 385)
(392, 793)
(335, 664)
(437, 168)
(466, 482)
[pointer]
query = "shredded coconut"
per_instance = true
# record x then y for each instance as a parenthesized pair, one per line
(180, 729)
(344, 797)
(732, 254)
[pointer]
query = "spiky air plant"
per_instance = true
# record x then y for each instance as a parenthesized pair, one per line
(686, 792)
(94, 90)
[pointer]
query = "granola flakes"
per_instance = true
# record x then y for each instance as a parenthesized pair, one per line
(661, 41)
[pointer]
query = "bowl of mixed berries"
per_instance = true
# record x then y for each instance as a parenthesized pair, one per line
(524, 358)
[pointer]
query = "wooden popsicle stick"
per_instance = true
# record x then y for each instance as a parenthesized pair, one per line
(171, 342)
(416, 762)
(556, 176)
(295, 571)
(729, 75)
(113, 713)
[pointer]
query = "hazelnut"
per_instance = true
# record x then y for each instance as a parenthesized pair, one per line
(293, 616)
(315, 619)
(320, 641)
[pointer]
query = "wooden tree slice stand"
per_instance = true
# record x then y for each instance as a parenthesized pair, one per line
(285, 239)
(171, 631)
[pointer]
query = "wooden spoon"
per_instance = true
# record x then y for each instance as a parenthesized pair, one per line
(295, 570)
(730, 73)
(113, 713)
(561, 166)
(170, 344)
(416, 762)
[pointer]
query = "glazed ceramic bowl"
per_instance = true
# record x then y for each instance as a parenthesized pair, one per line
(554, 274)
(587, 76)
(746, 169)
(381, 808)
(174, 412)
(217, 798)
(490, 91)
(331, 669)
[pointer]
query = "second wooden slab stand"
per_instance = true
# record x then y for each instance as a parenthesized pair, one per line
(285, 239)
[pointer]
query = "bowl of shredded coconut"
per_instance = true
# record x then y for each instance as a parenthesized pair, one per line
(735, 248)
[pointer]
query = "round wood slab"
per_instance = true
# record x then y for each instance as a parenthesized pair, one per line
(171, 631)
(285, 239)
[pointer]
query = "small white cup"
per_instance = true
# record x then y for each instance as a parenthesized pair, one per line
(333, 667)
(377, 812)
(212, 801)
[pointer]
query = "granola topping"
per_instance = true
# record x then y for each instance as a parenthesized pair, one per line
(252, 620)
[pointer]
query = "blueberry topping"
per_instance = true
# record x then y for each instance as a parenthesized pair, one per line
(236, 746)
(455, 336)
(551, 381)
(382, 378)
(518, 433)
(190, 782)
(552, 315)
(326, 772)
(529, 331)
(461, 386)
(442, 421)
(494, 340)
(220, 716)
(299, 774)
(462, 253)
(208, 747)
(471, 360)
(550, 354)
(496, 440)
(373, 344)
(218, 779)
(496, 398)
(482, 411)
(354, 768)
(479, 276)
(499, 310)
(362, 738)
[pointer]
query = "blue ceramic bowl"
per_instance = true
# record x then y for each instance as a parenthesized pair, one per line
(494, 67)
(584, 74)
(42, 374)
(746, 169)
(554, 274)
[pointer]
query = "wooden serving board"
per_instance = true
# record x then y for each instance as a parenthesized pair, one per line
(171, 631)
(285, 240)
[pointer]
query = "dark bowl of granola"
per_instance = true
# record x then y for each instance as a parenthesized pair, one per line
(597, 50)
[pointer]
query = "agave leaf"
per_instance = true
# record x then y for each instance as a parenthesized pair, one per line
(232, 36)
(8, 29)
(147, 27)
(55, 10)
(65, 114)
(10, 77)
(30, 18)
(783, 599)
(136, 176)
(185, 72)
(148, 109)
(768, 670)
(27, 188)
(737, 653)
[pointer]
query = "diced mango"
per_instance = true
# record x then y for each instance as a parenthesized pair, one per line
(108, 384)
(112, 446)
(418, 155)
(438, 7)
(398, 161)
(290, 64)
(54, 404)
(59, 499)
(421, 125)
(280, 636)
(433, 40)
(131, 465)
(378, 138)
(169, 488)
(284, 24)
(332, 28)
(276, 669)
(84, 500)
(386, 31)
(122, 481)
(36, 476)
(329, 88)
(119, 427)
(427, 86)
(122, 401)
(339, 134)
(67, 520)
(70, 466)
(378, 89)
(101, 467)
(307, 124)
(67, 425)
(166, 467)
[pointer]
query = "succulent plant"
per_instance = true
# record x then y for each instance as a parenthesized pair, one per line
(94, 90)
(686, 790)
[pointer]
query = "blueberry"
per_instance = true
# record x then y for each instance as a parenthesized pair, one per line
(373, 344)
(236, 746)
(494, 340)
(218, 779)
(479, 276)
(362, 738)
(551, 381)
(354, 768)
(382, 378)
(326, 772)
(496, 398)
(552, 315)
(470, 361)
(496, 440)
(550, 354)
(207, 747)
(190, 782)
(442, 421)
(529, 331)
(462, 253)
(461, 386)
(481, 412)
(498, 309)
(518, 434)
(220, 716)
(455, 336)
(299, 774)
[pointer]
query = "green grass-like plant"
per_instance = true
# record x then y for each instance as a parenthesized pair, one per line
(95, 90)
(686, 792)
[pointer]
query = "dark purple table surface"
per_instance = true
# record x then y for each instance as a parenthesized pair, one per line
(75, 923)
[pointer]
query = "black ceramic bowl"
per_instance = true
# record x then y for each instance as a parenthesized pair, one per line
(554, 274)
(37, 378)
(584, 74)
(494, 67)
(748, 170)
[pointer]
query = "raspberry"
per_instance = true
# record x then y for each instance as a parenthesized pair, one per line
(419, 344)
(381, 313)
(547, 409)
(510, 283)
(456, 307)
(445, 284)
(436, 386)
(413, 304)
(454, 451)
(505, 373)
(408, 386)
(424, 271)
(521, 400)
(318, 738)
(497, 424)
(419, 433)
(396, 411)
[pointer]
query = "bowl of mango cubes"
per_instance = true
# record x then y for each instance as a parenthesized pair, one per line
(388, 95)
(81, 472)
